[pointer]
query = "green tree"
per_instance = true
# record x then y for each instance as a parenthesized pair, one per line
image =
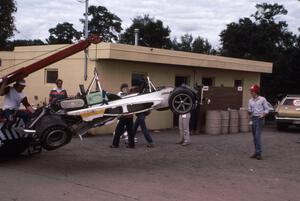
(189, 44)
(152, 33)
(63, 33)
(201, 45)
(261, 37)
(21, 42)
(7, 8)
(104, 23)
(186, 42)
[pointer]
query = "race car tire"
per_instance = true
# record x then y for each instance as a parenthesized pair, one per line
(182, 101)
(53, 133)
(13, 148)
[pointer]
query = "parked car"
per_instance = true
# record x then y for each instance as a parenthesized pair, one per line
(288, 112)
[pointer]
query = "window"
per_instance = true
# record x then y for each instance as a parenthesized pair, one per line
(137, 79)
(207, 81)
(238, 83)
(51, 75)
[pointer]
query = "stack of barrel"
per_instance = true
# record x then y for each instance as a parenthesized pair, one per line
(224, 122)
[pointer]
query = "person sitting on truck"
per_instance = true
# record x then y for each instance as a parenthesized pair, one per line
(57, 93)
(13, 97)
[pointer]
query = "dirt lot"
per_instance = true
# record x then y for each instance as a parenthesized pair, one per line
(212, 168)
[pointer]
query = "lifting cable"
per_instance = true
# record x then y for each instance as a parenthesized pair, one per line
(3, 69)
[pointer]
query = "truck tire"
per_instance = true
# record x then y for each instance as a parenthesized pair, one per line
(182, 101)
(53, 133)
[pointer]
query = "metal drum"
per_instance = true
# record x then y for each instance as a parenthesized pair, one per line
(233, 121)
(213, 122)
(224, 122)
(244, 121)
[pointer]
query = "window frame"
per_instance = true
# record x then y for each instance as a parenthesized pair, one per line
(46, 75)
(212, 81)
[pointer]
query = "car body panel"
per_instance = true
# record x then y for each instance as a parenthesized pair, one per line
(288, 110)
(156, 100)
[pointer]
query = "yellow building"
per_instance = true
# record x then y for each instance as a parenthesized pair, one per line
(118, 63)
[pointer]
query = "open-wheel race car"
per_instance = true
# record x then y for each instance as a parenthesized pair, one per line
(54, 125)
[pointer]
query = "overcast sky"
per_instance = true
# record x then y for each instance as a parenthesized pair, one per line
(206, 18)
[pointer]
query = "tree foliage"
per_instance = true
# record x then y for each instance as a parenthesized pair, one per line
(7, 26)
(21, 42)
(262, 37)
(104, 23)
(201, 45)
(189, 44)
(152, 33)
(63, 33)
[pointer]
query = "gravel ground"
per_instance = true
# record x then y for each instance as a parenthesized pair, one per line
(214, 168)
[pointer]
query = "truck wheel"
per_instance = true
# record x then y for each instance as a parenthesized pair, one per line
(181, 101)
(53, 133)
(13, 148)
(282, 126)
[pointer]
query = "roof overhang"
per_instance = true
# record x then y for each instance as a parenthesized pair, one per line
(171, 57)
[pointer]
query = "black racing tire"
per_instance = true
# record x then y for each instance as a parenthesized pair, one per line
(282, 126)
(53, 133)
(13, 148)
(182, 101)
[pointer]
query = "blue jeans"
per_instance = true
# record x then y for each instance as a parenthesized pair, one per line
(10, 115)
(140, 121)
(257, 125)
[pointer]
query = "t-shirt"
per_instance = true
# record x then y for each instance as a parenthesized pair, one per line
(57, 94)
(13, 99)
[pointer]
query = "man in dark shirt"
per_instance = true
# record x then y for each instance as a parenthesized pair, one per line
(125, 122)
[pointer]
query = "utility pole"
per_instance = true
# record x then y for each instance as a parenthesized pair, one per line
(86, 36)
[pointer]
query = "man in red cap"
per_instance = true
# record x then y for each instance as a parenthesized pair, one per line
(258, 109)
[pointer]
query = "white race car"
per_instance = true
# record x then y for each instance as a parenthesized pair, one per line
(56, 123)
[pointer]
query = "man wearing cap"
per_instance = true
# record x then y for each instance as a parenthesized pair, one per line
(258, 109)
(13, 97)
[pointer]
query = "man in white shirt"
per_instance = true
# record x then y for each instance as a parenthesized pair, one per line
(258, 108)
(13, 97)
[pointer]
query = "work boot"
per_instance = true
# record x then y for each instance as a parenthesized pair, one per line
(150, 145)
(258, 157)
(253, 156)
(185, 144)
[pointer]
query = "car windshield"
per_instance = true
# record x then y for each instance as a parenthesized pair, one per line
(292, 101)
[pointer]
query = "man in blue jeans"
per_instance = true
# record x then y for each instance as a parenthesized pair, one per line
(140, 121)
(258, 109)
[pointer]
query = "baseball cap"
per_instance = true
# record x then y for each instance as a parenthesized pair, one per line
(21, 82)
